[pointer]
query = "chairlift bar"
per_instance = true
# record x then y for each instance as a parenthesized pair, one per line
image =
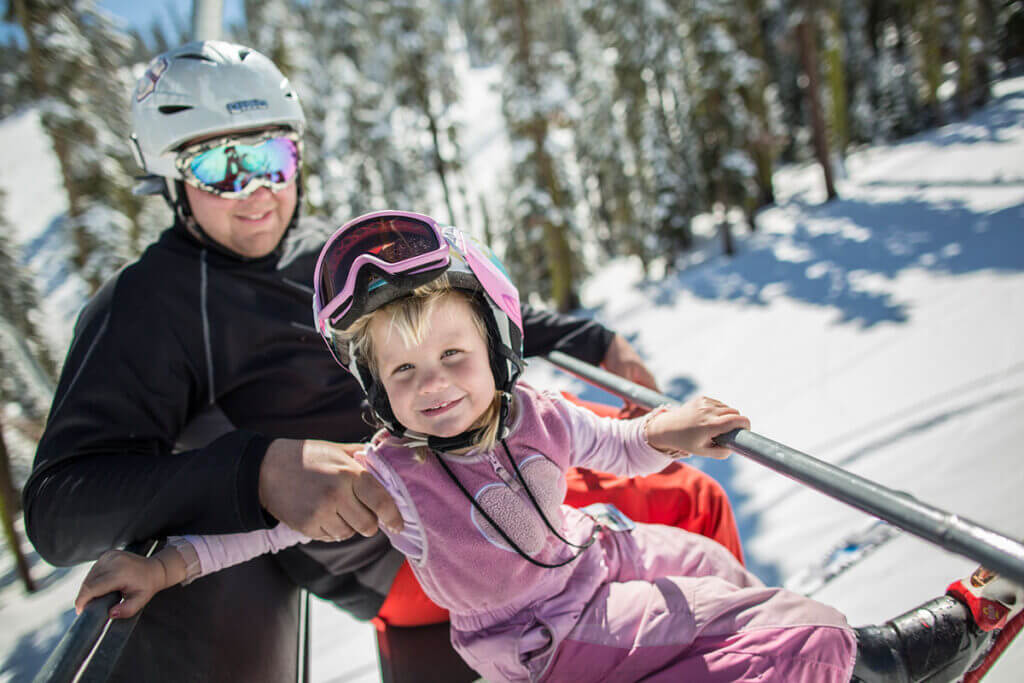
(991, 549)
(91, 645)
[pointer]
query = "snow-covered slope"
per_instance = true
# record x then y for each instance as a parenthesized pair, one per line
(881, 332)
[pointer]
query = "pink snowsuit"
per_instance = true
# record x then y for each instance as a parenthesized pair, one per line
(652, 604)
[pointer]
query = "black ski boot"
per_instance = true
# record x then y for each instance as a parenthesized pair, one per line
(934, 643)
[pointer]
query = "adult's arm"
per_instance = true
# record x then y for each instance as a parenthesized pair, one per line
(588, 340)
(545, 331)
(104, 472)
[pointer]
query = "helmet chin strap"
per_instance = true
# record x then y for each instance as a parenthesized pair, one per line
(466, 439)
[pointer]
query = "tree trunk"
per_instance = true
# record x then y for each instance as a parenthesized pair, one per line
(559, 255)
(762, 144)
(809, 59)
(987, 32)
(965, 82)
(837, 82)
(422, 91)
(486, 217)
(35, 66)
(933, 60)
(725, 229)
(7, 514)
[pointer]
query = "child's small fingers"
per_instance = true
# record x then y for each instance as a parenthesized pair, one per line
(727, 423)
(85, 597)
(717, 452)
(86, 593)
(129, 607)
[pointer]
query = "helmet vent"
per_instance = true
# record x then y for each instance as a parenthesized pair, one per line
(173, 108)
(198, 58)
(243, 53)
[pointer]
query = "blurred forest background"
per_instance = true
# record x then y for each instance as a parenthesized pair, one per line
(625, 120)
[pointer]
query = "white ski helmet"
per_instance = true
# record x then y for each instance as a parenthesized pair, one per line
(204, 88)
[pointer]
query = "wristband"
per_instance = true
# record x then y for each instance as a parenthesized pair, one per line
(188, 555)
(671, 452)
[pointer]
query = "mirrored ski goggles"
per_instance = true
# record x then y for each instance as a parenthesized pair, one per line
(394, 246)
(235, 166)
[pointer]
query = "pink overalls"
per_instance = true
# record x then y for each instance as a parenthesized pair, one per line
(653, 604)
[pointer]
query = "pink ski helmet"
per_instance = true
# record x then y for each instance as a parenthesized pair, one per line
(379, 257)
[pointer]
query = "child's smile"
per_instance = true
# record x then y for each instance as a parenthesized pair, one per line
(442, 385)
(436, 410)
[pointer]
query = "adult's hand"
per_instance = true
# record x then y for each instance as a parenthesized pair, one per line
(622, 359)
(320, 489)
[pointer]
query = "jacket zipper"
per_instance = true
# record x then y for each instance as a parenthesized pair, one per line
(502, 473)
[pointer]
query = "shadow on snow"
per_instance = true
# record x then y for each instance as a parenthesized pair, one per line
(32, 648)
(843, 254)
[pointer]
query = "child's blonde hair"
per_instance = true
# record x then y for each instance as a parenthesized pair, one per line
(408, 316)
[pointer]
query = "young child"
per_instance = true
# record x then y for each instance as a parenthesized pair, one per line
(429, 324)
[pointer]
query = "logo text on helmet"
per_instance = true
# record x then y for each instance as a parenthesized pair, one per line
(246, 105)
(147, 84)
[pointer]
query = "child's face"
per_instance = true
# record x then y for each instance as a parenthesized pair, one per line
(442, 386)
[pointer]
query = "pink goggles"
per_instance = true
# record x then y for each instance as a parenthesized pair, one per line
(387, 244)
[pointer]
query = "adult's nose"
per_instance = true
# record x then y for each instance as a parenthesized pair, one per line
(260, 193)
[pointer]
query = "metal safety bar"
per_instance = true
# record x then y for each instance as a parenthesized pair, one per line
(993, 550)
(90, 648)
(93, 643)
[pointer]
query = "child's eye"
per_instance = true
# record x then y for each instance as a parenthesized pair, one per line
(450, 352)
(401, 368)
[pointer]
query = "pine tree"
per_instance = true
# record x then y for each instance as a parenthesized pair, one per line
(759, 94)
(534, 97)
(835, 77)
(975, 21)
(729, 132)
(895, 81)
(29, 366)
(601, 148)
(633, 137)
(357, 157)
(807, 35)
(78, 75)
(932, 44)
(610, 132)
(8, 495)
(417, 69)
(858, 69)
(28, 375)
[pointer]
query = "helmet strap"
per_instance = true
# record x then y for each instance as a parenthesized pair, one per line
(177, 198)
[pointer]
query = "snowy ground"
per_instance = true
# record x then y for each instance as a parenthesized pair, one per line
(881, 332)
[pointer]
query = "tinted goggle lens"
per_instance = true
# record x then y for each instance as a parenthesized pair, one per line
(232, 167)
(391, 240)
